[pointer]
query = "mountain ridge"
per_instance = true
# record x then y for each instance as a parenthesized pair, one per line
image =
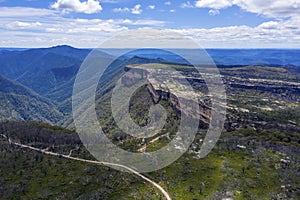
(19, 102)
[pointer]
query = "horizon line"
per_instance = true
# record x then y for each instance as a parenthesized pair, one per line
(206, 48)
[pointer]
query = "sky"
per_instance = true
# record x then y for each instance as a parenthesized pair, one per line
(211, 23)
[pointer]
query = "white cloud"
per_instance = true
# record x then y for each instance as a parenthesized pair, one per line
(187, 5)
(9, 12)
(42, 27)
(87, 7)
(268, 8)
(213, 12)
(273, 34)
(109, 1)
(151, 7)
(269, 25)
(142, 22)
(121, 9)
(168, 3)
(29, 27)
(215, 4)
(271, 8)
(172, 11)
(22, 25)
(137, 9)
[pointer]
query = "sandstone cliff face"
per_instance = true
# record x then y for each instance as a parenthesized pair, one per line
(132, 75)
(158, 93)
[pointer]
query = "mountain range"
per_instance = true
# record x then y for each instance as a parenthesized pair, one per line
(37, 84)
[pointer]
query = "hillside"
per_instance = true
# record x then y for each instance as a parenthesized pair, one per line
(18, 102)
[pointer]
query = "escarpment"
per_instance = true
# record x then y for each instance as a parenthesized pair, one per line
(160, 91)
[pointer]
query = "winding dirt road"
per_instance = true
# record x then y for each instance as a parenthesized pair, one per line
(44, 151)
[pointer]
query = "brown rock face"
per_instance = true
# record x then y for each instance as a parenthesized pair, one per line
(136, 73)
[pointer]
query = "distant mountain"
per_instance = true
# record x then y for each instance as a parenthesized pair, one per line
(68, 51)
(42, 70)
(255, 56)
(18, 102)
(226, 56)
(12, 49)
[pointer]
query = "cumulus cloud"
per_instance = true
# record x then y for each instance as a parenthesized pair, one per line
(268, 8)
(168, 3)
(87, 7)
(271, 8)
(151, 7)
(137, 9)
(215, 4)
(213, 12)
(22, 25)
(187, 5)
(269, 25)
(121, 9)
(273, 34)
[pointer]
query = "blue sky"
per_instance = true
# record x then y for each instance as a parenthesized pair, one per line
(212, 23)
